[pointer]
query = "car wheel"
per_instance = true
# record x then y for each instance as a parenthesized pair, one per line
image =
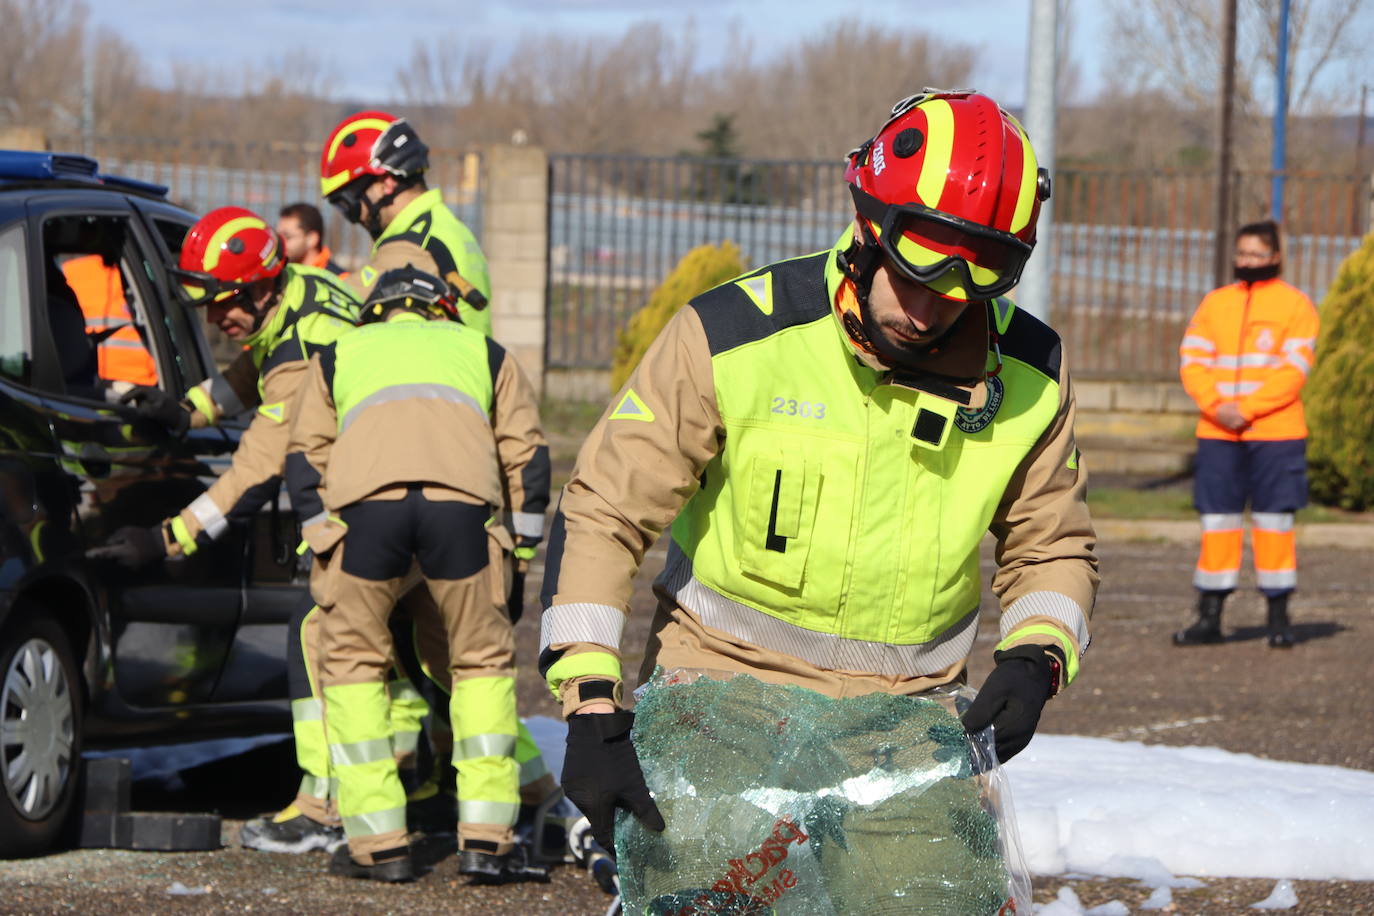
(40, 735)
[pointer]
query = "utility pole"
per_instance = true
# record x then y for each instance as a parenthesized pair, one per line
(1279, 161)
(1033, 292)
(1355, 227)
(1221, 260)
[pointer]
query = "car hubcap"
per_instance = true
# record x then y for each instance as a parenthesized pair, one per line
(36, 729)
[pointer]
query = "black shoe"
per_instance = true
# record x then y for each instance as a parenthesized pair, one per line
(393, 866)
(1207, 628)
(489, 868)
(290, 831)
(1280, 633)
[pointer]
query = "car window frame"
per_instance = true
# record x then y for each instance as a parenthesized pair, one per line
(102, 204)
(189, 323)
(24, 293)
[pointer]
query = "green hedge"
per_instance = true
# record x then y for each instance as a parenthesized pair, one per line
(700, 269)
(1339, 396)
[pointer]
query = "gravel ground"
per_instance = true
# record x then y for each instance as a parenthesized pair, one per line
(1310, 704)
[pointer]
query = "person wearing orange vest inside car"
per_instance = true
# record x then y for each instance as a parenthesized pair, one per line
(122, 355)
(1244, 360)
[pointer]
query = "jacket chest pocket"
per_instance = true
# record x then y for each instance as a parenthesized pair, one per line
(773, 533)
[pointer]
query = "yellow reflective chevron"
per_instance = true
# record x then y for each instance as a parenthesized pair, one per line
(274, 412)
(632, 407)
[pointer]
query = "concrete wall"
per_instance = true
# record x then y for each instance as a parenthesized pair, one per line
(515, 233)
(1135, 428)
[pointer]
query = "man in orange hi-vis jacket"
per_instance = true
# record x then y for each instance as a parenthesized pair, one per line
(1244, 360)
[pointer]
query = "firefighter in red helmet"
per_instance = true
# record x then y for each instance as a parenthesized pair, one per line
(373, 170)
(824, 443)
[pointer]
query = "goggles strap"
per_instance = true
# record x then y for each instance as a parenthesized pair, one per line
(859, 262)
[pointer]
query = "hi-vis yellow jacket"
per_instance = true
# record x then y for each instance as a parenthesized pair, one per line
(826, 515)
(1252, 344)
(315, 309)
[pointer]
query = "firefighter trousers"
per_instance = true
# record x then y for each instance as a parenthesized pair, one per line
(461, 558)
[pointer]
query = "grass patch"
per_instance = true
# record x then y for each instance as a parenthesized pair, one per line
(1177, 503)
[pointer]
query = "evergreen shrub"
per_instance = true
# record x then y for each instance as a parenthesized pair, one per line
(1339, 395)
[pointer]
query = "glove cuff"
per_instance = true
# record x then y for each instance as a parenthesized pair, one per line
(1048, 660)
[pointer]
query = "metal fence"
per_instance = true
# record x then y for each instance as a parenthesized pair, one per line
(264, 177)
(1132, 251)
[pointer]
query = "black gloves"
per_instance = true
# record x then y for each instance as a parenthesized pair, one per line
(155, 404)
(601, 773)
(133, 547)
(515, 601)
(1013, 696)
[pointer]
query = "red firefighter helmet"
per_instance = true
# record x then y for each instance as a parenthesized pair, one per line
(950, 190)
(225, 251)
(370, 143)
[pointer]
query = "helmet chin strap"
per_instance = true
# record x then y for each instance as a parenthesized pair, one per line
(859, 262)
(373, 221)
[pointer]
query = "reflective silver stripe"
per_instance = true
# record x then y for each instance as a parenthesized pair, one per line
(484, 746)
(1196, 361)
(225, 398)
(1216, 581)
(598, 623)
(1235, 389)
(487, 812)
(419, 390)
(116, 343)
(403, 742)
(1232, 521)
(528, 524)
(1294, 343)
(533, 770)
(319, 518)
(1272, 521)
(1297, 361)
(824, 650)
(1199, 343)
(343, 755)
(1247, 361)
(306, 710)
(209, 516)
(316, 787)
(403, 689)
(1055, 605)
(1281, 578)
(375, 822)
(105, 322)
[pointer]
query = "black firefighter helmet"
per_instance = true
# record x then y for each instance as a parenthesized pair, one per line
(410, 288)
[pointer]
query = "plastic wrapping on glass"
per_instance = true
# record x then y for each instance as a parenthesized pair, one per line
(780, 800)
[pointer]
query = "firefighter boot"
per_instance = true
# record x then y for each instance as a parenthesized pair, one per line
(490, 868)
(1207, 628)
(1280, 635)
(393, 865)
(290, 831)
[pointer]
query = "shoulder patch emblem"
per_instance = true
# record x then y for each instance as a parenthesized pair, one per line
(631, 407)
(972, 420)
(274, 412)
(367, 276)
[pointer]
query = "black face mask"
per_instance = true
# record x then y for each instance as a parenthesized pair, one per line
(1256, 274)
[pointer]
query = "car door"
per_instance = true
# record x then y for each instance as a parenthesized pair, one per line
(171, 624)
(275, 576)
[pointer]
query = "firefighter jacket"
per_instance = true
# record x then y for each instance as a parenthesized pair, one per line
(410, 401)
(120, 353)
(427, 236)
(1252, 344)
(314, 310)
(817, 536)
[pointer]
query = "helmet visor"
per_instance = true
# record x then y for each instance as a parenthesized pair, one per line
(196, 288)
(955, 257)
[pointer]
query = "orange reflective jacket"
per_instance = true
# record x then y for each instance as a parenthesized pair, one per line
(121, 353)
(1252, 344)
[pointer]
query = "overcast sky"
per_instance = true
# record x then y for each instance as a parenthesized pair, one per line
(362, 41)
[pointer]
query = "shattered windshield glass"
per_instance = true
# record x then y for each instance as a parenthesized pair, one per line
(782, 800)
